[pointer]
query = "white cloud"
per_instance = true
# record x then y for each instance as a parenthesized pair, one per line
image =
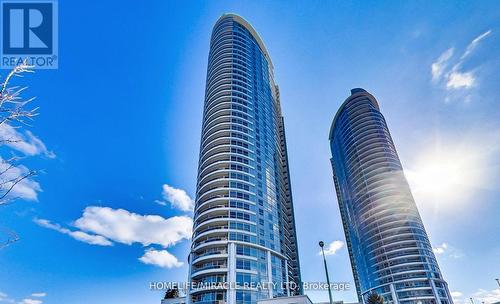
(26, 188)
(446, 250)
(333, 247)
(161, 258)
(178, 198)
(104, 225)
(125, 227)
(4, 298)
(456, 294)
(474, 43)
(440, 64)
(31, 301)
(481, 296)
(457, 80)
(454, 77)
(26, 143)
(440, 249)
(492, 296)
(77, 235)
(29, 145)
(160, 202)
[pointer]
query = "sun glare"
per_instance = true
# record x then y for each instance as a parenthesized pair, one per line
(440, 177)
(444, 177)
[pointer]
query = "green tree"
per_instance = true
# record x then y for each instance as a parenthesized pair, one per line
(375, 298)
(172, 293)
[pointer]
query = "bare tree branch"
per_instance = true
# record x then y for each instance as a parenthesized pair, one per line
(13, 182)
(14, 114)
(12, 237)
(24, 67)
(9, 141)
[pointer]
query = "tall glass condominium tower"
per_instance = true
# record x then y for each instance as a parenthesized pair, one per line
(244, 229)
(389, 249)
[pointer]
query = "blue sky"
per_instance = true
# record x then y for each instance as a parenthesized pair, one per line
(121, 118)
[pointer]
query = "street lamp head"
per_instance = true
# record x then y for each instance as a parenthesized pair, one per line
(321, 244)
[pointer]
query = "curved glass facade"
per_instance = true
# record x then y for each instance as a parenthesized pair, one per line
(389, 249)
(244, 230)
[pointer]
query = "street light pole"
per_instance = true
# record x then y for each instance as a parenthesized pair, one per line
(321, 244)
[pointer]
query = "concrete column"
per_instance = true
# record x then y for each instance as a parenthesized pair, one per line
(269, 273)
(188, 290)
(231, 272)
(394, 295)
(287, 279)
(435, 292)
(450, 299)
